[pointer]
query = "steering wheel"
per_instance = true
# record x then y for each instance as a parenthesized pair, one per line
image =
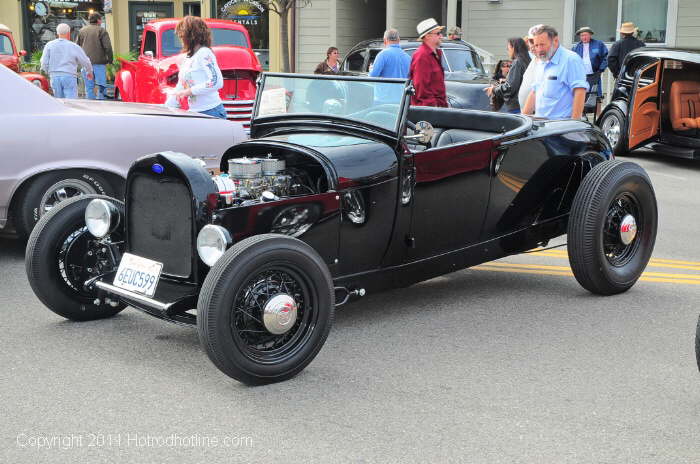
(410, 125)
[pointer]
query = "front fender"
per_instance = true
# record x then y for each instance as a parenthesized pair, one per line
(621, 105)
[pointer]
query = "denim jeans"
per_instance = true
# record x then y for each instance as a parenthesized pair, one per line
(217, 111)
(99, 72)
(64, 86)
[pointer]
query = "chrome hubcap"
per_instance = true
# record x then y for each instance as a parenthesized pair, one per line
(61, 191)
(280, 314)
(628, 229)
(611, 130)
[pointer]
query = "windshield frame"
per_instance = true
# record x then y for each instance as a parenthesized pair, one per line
(395, 132)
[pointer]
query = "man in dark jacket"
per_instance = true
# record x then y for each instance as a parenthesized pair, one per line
(595, 57)
(622, 47)
(426, 67)
(95, 42)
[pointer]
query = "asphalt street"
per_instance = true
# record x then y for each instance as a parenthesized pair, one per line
(509, 362)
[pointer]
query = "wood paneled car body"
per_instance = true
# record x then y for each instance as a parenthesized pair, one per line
(656, 103)
(335, 197)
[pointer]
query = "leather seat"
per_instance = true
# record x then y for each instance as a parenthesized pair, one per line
(685, 106)
(452, 136)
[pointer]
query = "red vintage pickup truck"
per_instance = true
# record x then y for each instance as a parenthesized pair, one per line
(146, 79)
(10, 57)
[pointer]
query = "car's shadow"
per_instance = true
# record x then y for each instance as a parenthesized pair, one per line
(651, 155)
(12, 247)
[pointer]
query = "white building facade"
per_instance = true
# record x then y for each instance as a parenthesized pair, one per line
(488, 23)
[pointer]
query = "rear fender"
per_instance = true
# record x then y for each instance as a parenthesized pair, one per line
(124, 82)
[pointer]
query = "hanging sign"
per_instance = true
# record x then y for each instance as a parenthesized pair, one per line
(247, 13)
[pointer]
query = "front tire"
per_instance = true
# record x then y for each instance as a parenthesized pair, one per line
(612, 227)
(613, 124)
(265, 309)
(61, 255)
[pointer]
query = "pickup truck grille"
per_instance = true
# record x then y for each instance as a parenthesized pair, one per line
(160, 222)
(240, 111)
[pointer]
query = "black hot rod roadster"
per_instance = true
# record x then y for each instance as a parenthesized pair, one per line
(343, 189)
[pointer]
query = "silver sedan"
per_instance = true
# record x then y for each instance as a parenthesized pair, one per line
(53, 149)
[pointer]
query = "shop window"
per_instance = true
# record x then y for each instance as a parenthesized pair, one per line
(605, 17)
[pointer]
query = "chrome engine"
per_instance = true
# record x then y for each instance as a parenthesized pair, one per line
(263, 179)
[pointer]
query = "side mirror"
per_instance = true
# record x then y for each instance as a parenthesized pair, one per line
(22, 52)
(424, 133)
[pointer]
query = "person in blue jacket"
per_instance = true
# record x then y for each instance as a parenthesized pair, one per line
(390, 62)
(595, 57)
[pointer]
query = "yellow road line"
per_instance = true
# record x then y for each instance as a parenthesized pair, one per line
(521, 271)
(566, 271)
(656, 262)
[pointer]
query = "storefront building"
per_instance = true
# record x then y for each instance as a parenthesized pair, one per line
(343, 23)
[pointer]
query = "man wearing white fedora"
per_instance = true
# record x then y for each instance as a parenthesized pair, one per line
(426, 67)
(622, 47)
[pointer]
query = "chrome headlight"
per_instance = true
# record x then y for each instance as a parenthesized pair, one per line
(36, 82)
(101, 217)
(212, 243)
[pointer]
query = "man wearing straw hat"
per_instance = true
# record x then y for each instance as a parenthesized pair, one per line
(622, 47)
(426, 67)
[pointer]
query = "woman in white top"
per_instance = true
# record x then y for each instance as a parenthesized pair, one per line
(200, 78)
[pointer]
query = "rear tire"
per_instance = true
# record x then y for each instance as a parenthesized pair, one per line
(236, 328)
(48, 190)
(606, 255)
(60, 257)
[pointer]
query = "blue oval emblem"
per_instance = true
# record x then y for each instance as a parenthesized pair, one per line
(157, 168)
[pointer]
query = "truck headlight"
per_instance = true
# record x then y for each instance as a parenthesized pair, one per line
(101, 217)
(212, 243)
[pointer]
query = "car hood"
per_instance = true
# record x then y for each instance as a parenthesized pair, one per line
(114, 107)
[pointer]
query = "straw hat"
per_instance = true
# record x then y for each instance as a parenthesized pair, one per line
(426, 26)
(627, 28)
(585, 29)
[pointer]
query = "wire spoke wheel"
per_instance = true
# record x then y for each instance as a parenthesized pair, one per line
(62, 255)
(265, 309)
(248, 315)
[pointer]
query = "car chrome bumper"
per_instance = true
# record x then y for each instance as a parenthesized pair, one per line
(170, 302)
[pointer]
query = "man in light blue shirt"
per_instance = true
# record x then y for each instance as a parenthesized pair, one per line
(560, 88)
(60, 60)
(390, 62)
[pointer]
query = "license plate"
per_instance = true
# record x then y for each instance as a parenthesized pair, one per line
(137, 274)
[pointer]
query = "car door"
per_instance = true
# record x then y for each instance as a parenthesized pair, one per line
(147, 70)
(450, 197)
(644, 113)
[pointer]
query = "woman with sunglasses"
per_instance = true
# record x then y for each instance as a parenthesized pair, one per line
(508, 90)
